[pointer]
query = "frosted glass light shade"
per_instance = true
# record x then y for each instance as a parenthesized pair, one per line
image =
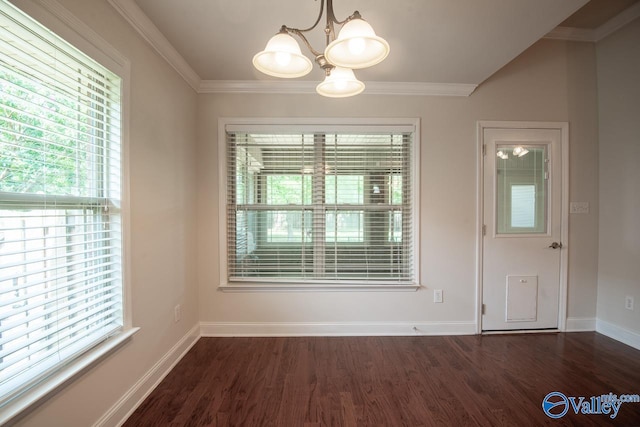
(357, 46)
(282, 58)
(341, 83)
(520, 151)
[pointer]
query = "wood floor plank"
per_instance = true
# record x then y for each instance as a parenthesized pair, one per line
(495, 380)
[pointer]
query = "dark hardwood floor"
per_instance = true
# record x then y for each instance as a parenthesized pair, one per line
(494, 380)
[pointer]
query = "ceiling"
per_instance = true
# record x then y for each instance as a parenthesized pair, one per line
(434, 41)
(596, 13)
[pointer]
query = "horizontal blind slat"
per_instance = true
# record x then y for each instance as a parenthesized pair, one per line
(89, 312)
(35, 290)
(62, 84)
(74, 115)
(76, 317)
(22, 29)
(78, 127)
(95, 286)
(49, 349)
(66, 265)
(21, 55)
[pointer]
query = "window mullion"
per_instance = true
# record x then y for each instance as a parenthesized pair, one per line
(319, 228)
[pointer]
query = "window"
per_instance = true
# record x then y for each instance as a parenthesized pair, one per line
(324, 206)
(60, 212)
(521, 189)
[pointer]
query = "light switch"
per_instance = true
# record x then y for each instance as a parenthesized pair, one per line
(579, 208)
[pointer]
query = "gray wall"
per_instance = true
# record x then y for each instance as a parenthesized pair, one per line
(551, 81)
(618, 58)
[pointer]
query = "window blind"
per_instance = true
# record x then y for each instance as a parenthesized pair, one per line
(318, 206)
(60, 226)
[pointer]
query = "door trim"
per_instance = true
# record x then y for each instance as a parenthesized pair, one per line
(563, 127)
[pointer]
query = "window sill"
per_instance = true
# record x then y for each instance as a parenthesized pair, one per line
(273, 287)
(31, 398)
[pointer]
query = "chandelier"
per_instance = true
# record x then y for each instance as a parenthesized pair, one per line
(357, 46)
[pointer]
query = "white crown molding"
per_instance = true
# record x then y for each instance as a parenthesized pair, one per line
(257, 86)
(143, 25)
(308, 87)
(420, 88)
(617, 22)
(86, 32)
(571, 34)
(595, 35)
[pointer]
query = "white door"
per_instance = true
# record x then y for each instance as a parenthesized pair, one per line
(522, 229)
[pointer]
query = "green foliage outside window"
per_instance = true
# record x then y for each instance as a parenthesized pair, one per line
(39, 153)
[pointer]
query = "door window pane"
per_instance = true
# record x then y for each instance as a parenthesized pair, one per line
(523, 206)
(522, 193)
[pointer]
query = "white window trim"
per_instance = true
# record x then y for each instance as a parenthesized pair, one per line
(58, 19)
(300, 124)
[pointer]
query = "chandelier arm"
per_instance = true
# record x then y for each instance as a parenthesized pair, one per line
(329, 29)
(304, 39)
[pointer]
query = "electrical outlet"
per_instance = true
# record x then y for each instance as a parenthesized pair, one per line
(437, 295)
(628, 303)
(177, 313)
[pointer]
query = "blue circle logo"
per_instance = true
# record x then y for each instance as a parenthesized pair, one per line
(555, 404)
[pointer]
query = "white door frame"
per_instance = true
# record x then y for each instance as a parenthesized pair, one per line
(480, 221)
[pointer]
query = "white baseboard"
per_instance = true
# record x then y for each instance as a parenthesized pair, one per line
(618, 333)
(580, 324)
(129, 402)
(244, 329)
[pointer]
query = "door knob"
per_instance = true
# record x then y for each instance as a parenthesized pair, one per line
(555, 245)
